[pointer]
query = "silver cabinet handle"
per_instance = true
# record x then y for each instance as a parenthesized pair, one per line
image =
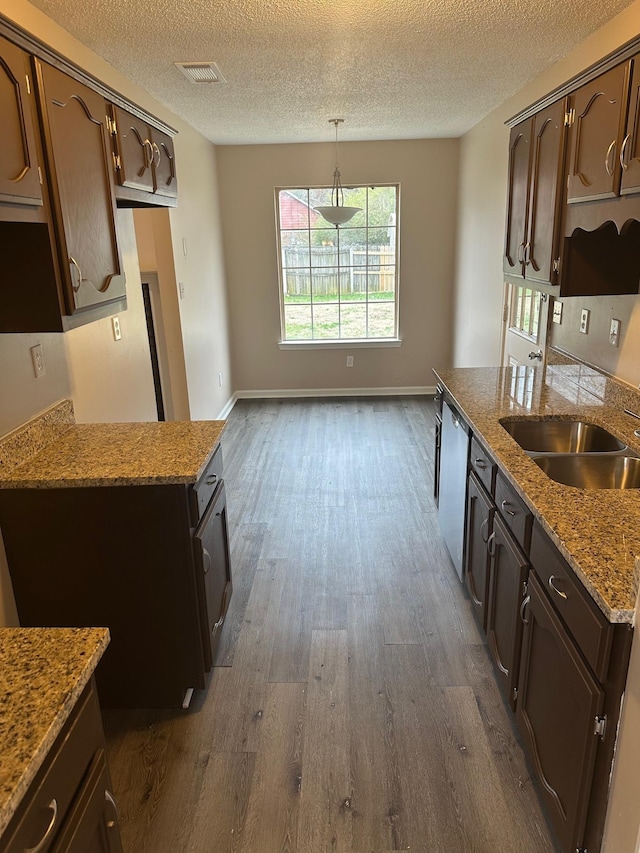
(211, 479)
(625, 142)
(217, 624)
(523, 606)
(504, 506)
(527, 254)
(484, 524)
(206, 560)
(521, 253)
(480, 463)
(53, 805)
(611, 150)
(148, 153)
(555, 588)
(490, 541)
(157, 153)
(77, 266)
(111, 801)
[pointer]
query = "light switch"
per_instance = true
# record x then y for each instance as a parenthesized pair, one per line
(614, 333)
(557, 312)
(117, 331)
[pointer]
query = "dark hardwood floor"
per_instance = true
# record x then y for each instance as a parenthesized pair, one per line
(353, 705)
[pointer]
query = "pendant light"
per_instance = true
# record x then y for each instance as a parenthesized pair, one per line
(336, 213)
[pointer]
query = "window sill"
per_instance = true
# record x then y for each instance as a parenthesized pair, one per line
(369, 343)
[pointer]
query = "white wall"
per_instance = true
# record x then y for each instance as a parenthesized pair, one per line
(428, 172)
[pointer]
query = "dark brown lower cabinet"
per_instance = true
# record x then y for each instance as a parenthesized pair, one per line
(480, 511)
(559, 705)
(69, 807)
(211, 547)
(143, 561)
(509, 569)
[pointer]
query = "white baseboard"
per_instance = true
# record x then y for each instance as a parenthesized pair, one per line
(409, 391)
(227, 408)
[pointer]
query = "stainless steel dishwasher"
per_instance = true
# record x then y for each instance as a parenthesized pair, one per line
(454, 450)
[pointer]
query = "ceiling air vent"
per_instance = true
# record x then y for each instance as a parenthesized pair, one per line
(201, 72)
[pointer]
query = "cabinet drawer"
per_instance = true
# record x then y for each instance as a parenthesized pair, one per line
(483, 465)
(591, 631)
(514, 511)
(55, 786)
(203, 490)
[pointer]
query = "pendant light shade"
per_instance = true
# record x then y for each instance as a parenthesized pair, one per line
(336, 213)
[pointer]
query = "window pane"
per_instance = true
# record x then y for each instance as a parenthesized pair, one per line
(379, 237)
(295, 284)
(353, 240)
(317, 198)
(353, 284)
(324, 283)
(381, 320)
(326, 320)
(382, 284)
(382, 206)
(353, 321)
(297, 320)
(323, 254)
(295, 248)
(356, 197)
(294, 208)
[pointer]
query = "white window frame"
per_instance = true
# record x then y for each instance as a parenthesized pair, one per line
(339, 343)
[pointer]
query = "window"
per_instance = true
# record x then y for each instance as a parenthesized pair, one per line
(338, 284)
(525, 311)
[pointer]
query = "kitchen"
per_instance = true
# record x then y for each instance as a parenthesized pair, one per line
(111, 382)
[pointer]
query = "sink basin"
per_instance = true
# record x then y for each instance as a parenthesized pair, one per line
(592, 472)
(554, 436)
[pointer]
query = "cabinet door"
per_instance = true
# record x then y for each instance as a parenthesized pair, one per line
(630, 151)
(213, 568)
(480, 512)
(92, 824)
(79, 158)
(517, 197)
(600, 110)
(547, 169)
(164, 164)
(558, 701)
(134, 150)
(19, 179)
(504, 626)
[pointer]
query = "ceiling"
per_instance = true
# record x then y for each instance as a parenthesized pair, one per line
(394, 69)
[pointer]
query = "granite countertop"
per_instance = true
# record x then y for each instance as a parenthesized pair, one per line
(43, 671)
(118, 455)
(597, 531)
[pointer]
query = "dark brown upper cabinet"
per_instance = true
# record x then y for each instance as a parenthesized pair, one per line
(599, 110)
(20, 179)
(144, 161)
(78, 158)
(536, 160)
(630, 148)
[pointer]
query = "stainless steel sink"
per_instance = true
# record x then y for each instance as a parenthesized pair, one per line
(555, 436)
(592, 472)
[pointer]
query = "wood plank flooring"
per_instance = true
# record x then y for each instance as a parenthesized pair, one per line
(352, 708)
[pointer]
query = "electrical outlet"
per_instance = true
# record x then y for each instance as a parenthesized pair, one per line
(557, 312)
(37, 358)
(349, 361)
(614, 333)
(584, 321)
(181, 289)
(117, 331)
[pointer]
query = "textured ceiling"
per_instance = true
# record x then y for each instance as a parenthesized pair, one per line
(394, 69)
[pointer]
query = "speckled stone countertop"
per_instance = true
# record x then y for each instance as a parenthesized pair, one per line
(597, 531)
(43, 671)
(118, 455)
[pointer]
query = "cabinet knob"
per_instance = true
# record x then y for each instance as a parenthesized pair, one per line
(211, 479)
(53, 806)
(480, 463)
